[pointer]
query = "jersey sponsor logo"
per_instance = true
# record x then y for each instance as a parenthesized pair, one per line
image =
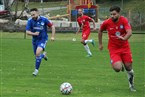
(117, 33)
(38, 28)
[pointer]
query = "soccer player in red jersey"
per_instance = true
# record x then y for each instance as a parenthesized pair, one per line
(84, 24)
(119, 31)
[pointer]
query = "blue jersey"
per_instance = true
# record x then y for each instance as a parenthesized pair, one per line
(40, 25)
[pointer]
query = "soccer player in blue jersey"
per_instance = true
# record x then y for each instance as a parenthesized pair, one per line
(37, 28)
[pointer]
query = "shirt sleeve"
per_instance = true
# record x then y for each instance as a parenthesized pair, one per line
(79, 22)
(88, 18)
(28, 25)
(127, 25)
(103, 26)
(49, 23)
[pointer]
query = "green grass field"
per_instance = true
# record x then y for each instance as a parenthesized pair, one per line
(90, 77)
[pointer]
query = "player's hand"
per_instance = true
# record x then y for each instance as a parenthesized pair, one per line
(120, 37)
(100, 47)
(52, 39)
(36, 33)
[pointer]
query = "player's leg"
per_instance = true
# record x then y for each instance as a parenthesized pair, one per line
(116, 61)
(45, 56)
(117, 66)
(130, 75)
(86, 34)
(90, 41)
(39, 56)
(88, 50)
(84, 37)
(127, 60)
(34, 49)
(43, 45)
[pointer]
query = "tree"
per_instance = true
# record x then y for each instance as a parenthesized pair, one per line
(13, 14)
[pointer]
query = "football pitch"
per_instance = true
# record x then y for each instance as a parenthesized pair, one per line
(67, 62)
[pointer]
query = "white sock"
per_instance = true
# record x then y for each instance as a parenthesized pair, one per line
(87, 49)
(130, 75)
(36, 70)
(86, 41)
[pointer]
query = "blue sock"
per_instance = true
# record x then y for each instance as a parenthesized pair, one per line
(42, 56)
(38, 62)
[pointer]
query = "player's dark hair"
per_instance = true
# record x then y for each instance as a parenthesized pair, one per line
(33, 9)
(116, 8)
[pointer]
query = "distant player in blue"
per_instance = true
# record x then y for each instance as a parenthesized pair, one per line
(37, 28)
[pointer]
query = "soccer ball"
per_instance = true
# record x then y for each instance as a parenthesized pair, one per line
(74, 39)
(66, 88)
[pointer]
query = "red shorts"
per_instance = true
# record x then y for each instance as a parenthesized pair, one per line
(124, 55)
(85, 34)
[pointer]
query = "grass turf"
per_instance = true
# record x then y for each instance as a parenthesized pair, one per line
(90, 77)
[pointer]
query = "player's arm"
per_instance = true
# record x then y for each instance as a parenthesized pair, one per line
(53, 32)
(127, 36)
(50, 25)
(127, 29)
(80, 26)
(91, 19)
(28, 29)
(94, 25)
(100, 33)
(32, 33)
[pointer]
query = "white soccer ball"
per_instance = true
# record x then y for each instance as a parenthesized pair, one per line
(66, 88)
(74, 39)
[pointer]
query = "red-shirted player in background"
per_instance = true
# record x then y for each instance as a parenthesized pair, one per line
(84, 24)
(119, 31)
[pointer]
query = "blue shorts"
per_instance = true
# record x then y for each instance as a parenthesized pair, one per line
(37, 44)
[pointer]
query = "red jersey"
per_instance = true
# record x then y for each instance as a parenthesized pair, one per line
(114, 29)
(84, 22)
